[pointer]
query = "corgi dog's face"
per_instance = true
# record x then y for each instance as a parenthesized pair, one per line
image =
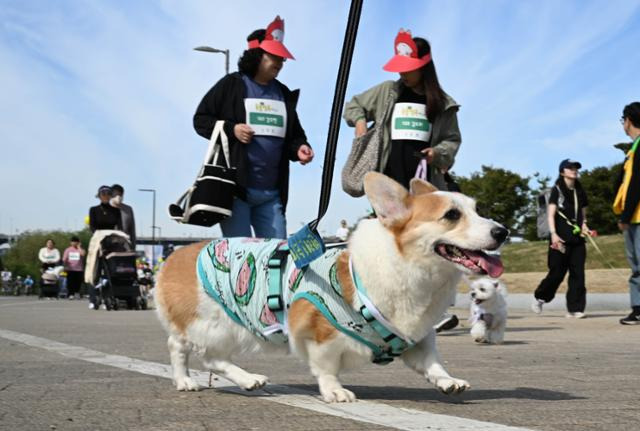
(427, 223)
(484, 289)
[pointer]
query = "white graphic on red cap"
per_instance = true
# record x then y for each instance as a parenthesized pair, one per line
(273, 38)
(275, 30)
(405, 45)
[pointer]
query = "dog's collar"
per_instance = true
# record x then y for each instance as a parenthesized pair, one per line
(398, 342)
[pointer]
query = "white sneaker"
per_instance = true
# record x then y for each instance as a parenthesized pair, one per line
(576, 315)
(92, 306)
(103, 307)
(536, 306)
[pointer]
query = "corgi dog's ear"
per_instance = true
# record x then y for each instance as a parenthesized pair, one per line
(421, 187)
(388, 199)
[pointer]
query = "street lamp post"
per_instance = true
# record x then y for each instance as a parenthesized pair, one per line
(221, 51)
(153, 225)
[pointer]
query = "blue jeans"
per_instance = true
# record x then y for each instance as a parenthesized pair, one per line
(632, 250)
(262, 210)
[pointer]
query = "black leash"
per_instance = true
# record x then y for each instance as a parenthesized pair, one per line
(336, 109)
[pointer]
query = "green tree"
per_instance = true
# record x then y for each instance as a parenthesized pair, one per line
(500, 194)
(599, 184)
(22, 258)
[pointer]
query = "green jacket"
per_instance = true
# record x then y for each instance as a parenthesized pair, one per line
(445, 135)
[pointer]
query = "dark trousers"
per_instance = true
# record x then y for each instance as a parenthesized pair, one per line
(573, 260)
(74, 281)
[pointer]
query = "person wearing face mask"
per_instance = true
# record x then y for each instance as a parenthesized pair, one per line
(126, 212)
(419, 119)
(261, 122)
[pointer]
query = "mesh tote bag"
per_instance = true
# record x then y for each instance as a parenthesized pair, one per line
(210, 199)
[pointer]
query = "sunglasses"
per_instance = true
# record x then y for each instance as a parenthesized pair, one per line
(622, 120)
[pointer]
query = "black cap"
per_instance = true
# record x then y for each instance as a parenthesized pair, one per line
(104, 189)
(568, 163)
(117, 188)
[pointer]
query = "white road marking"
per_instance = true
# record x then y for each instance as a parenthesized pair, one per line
(361, 411)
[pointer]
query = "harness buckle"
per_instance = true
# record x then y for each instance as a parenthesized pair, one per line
(389, 337)
(364, 311)
(274, 302)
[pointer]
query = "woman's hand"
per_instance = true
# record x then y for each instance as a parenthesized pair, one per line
(361, 128)
(243, 132)
(585, 229)
(305, 154)
(623, 226)
(557, 243)
(429, 154)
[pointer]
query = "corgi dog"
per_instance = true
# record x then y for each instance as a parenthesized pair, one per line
(409, 259)
(488, 310)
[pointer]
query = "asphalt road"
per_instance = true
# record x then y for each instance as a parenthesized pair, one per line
(65, 367)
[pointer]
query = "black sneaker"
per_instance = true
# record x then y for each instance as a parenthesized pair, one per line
(631, 319)
(447, 323)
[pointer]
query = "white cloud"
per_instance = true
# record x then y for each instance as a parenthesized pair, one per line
(100, 92)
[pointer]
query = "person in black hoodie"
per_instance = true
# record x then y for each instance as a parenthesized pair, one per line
(104, 216)
(260, 120)
(567, 216)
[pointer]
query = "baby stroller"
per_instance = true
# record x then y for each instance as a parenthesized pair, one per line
(118, 280)
(50, 281)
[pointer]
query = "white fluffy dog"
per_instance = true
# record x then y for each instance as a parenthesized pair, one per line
(488, 314)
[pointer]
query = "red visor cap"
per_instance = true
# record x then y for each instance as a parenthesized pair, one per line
(406, 54)
(273, 40)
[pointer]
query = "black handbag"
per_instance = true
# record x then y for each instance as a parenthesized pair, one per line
(210, 199)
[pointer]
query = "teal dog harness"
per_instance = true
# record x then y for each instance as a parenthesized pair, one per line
(255, 281)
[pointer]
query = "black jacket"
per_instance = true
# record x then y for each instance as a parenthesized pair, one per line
(104, 216)
(225, 101)
(563, 229)
(633, 192)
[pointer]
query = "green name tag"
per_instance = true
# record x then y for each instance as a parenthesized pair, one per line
(405, 123)
(266, 119)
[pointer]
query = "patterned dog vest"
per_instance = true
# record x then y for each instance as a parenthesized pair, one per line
(236, 273)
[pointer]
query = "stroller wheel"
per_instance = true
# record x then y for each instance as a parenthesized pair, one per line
(140, 303)
(115, 304)
(108, 303)
(143, 304)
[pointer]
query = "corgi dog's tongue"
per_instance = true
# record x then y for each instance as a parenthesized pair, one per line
(492, 265)
(474, 260)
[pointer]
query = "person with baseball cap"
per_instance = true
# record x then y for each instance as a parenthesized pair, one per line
(104, 215)
(567, 218)
(419, 119)
(260, 119)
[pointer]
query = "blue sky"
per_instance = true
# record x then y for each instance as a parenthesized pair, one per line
(96, 92)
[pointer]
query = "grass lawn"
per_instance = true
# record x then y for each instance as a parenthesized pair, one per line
(532, 256)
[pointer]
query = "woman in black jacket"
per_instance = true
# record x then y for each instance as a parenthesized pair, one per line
(260, 119)
(567, 218)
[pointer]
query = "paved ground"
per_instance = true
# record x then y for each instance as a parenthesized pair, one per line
(552, 374)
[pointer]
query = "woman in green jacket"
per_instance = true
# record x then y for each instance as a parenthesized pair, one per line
(423, 123)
